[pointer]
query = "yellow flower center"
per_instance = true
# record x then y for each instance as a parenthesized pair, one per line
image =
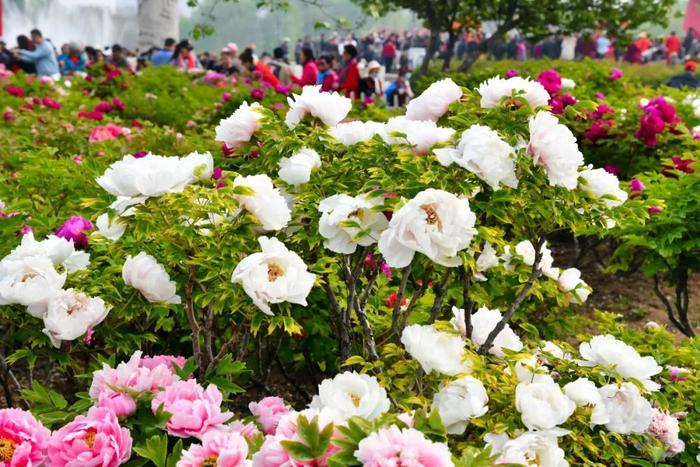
(209, 462)
(7, 449)
(274, 271)
(431, 215)
(90, 438)
(355, 399)
(27, 276)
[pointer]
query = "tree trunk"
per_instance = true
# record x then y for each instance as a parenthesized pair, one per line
(430, 51)
(450, 50)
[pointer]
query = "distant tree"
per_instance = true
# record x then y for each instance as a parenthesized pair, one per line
(531, 18)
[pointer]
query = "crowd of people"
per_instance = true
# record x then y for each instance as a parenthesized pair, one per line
(354, 66)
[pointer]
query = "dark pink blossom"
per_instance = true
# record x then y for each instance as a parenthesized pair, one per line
(637, 185)
(612, 169)
(551, 80)
(139, 154)
(91, 115)
(75, 229)
(15, 91)
(103, 107)
(50, 103)
(650, 126)
(615, 74)
(118, 104)
(257, 93)
(654, 210)
(510, 73)
(225, 97)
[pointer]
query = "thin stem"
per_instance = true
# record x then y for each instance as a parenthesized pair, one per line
(467, 304)
(194, 325)
(534, 275)
(396, 312)
(439, 291)
(669, 309)
(343, 331)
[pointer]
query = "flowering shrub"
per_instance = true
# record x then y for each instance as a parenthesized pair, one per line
(414, 250)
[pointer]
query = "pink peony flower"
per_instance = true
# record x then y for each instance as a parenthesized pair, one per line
(550, 80)
(77, 159)
(75, 229)
(93, 440)
(649, 127)
(268, 412)
(168, 360)
(118, 104)
(227, 151)
(393, 446)
(599, 95)
(24, 230)
(257, 93)
(510, 73)
(104, 107)
(23, 439)
(139, 154)
(598, 130)
(660, 107)
(676, 374)
(108, 132)
(217, 448)
(225, 97)
(91, 115)
(15, 91)
(116, 387)
(637, 185)
(615, 74)
(665, 428)
(654, 210)
(282, 89)
(50, 103)
(194, 410)
(123, 405)
(135, 123)
(248, 430)
(7, 115)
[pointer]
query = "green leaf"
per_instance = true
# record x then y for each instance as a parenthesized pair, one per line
(154, 449)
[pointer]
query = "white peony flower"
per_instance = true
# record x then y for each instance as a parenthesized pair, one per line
(348, 221)
(435, 350)
(532, 448)
(70, 314)
(486, 260)
(144, 273)
(59, 250)
(628, 411)
(240, 126)
(570, 280)
(110, 229)
(483, 322)
(584, 392)
(356, 132)
(553, 349)
(435, 223)
(421, 135)
(600, 183)
(530, 368)
(567, 83)
(266, 203)
(330, 108)
(351, 394)
(554, 147)
(459, 321)
(542, 404)
(29, 281)
(434, 102)
(274, 275)
(460, 401)
(526, 250)
(614, 354)
(297, 169)
(133, 180)
(495, 89)
(483, 152)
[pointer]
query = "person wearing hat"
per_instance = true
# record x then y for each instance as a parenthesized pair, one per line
(687, 79)
(371, 85)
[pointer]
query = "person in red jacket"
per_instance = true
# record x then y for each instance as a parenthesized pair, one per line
(673, 47)
(350, 73)
(252, 64)
(310, 73)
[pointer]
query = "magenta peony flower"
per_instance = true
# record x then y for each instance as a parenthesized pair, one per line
(550, 80)
(93, 440)
(217, 448)
(257, 93)
(612, 169)
(637, 185)
(118, 104)
(91, 115)
(135, 123)
(24, 230)
(660, 107)
(559, 103)
(7, 115)
(268, 413)
(227, 151)
(282, 89)
(23, 439)
(139, 154)
(194, 410)
(649, 127)
(598, 130)
(15, 91)
(50, 103)
(615, 74)
(599, 95)
(676, 373)
(393, 446)
(654, 210)
(77, 159)
(225, 97)
(75, 229)
(684, 165)
(510, 73)
(104, 107)
(108, 132)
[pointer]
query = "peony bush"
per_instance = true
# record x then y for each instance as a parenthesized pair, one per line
(296, 285)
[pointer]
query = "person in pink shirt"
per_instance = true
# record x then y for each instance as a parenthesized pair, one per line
(327, 77)
(309, 74)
